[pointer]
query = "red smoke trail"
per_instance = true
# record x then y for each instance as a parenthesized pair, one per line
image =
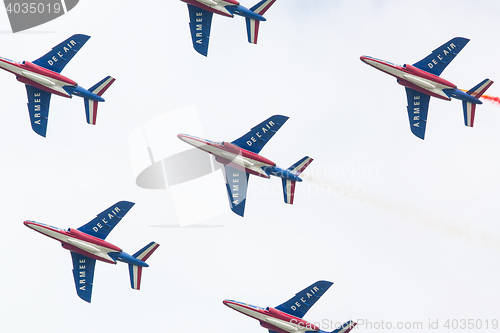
(492, 99)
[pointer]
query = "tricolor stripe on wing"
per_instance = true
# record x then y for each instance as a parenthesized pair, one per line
(480, 89)
(252, 30)
(135, 276)
(91, 110)
(144, 253)
(136, 271)
(288, 190)
(346, 327)
(100, 87)
(301, 165)
(469, 113)
(262, 6)
(470, 108)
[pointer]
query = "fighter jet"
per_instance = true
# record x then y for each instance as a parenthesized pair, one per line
(421, 81)
(287, 317)
(42, 79)
(201, 12)
(240, 159)
(87, 244)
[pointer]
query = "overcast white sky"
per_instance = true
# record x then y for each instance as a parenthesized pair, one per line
(406, 229)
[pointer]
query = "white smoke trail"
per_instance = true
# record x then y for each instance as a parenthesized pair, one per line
(450, 228)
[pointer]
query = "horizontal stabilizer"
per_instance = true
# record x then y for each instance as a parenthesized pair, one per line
(346, 327)
(470, 108)
(300, 166)
(288, 190)
(252, 30)
(262, 6)
(469, 113)
(302, 301)
(253, 25)
(135, 276)
(146, 252)
(259, 135)
(91, 105)
(100, 87)
(289, 185)
(136, 271)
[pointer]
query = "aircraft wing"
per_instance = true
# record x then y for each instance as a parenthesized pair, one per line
(236, 186)
(83, 273)
(102, 225)
(258, 136)
(200, 21)
(38, 107)
(62, 53)
(418, 106)
(436, 62)
(299, 304)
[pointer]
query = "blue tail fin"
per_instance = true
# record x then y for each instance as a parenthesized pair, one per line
(345, 328)
(470, 108)
(253, 25)
(289, 185)
(90, 105)
(136, 271)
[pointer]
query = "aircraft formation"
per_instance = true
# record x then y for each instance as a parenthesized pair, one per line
(240, 158)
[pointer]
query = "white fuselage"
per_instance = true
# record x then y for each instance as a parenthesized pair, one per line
(422, 82)
(236, 158)
(51, 83)
(217, 5)
(62, 236)
(285, 325)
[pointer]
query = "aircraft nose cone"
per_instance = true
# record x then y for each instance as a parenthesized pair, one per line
(183, 137)
(28, 224)
(363, 59)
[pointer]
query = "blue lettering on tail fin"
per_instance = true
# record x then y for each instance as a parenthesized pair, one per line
(301, 303)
